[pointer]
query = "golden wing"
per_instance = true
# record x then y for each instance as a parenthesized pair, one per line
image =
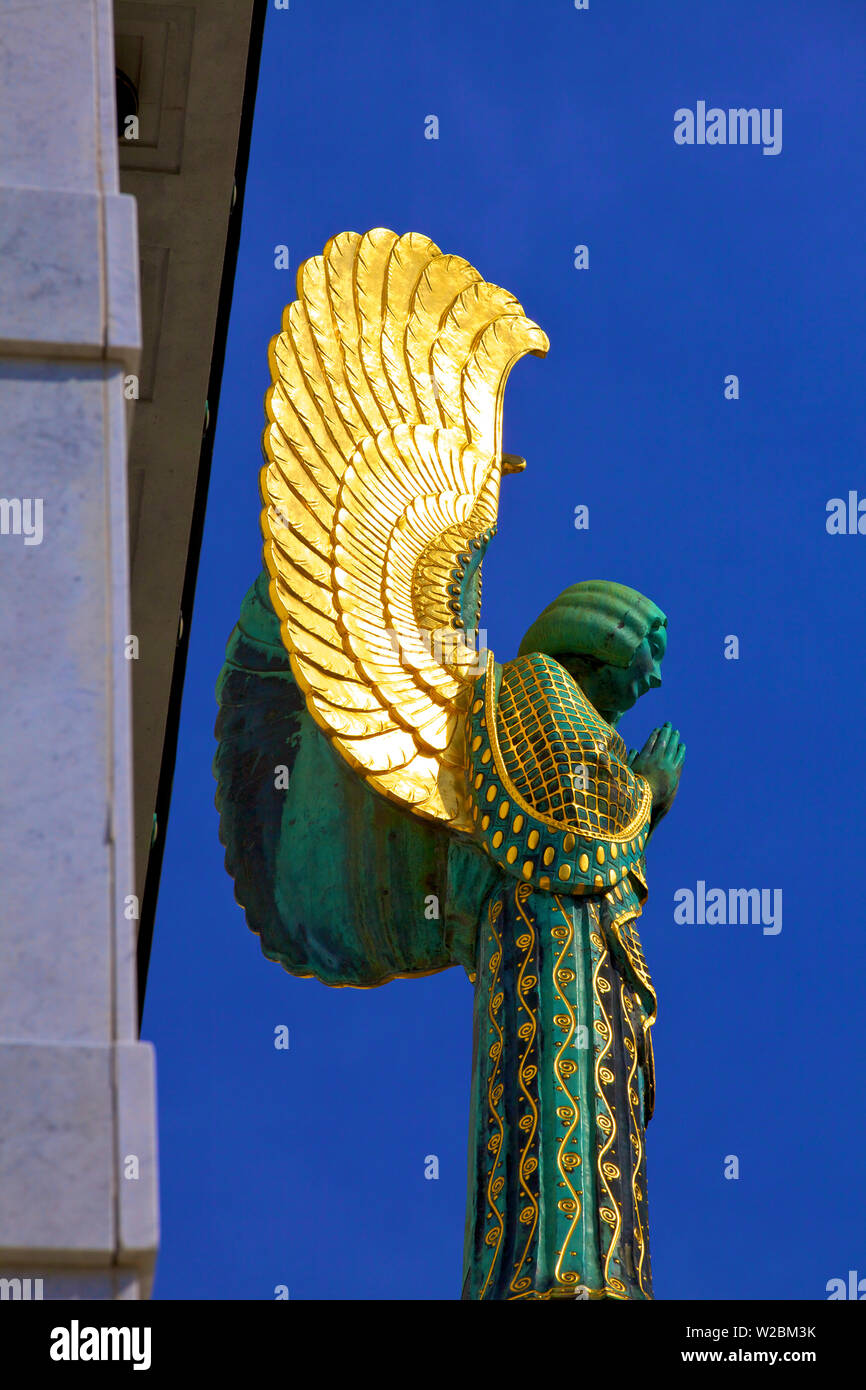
(381, 489)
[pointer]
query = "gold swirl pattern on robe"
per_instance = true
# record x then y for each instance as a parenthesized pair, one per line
(566, 1159)
(494, 1092)
(560, 1208)
(526, 1074)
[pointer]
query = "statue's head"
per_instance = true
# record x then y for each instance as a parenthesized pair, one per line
(609, 637)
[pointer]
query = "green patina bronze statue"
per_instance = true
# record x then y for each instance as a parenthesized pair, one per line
(458, 811)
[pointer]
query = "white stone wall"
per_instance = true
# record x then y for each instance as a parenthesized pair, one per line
(76, 1086)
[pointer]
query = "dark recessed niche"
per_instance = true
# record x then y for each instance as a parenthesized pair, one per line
(126, 96)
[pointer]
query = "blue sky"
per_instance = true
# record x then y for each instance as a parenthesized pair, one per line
(305, 1167)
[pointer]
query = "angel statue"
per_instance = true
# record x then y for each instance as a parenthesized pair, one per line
(394, 801)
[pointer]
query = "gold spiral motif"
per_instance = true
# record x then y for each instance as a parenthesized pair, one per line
(497, 1002)
(610, 1170)
(530, 1165)
(596, 940)
(496, 1186)
(609, 1213)
(494, 1143)
(496, 1093)
(525, 1075)
(569, 1115)
(617, 1285)
(559, 933)
(606, 1075)
(568, 1205)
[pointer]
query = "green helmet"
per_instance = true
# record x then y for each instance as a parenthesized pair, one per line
(594, 618)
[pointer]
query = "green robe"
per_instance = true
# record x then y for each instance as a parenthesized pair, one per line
(540, 915)
(557, 1167)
